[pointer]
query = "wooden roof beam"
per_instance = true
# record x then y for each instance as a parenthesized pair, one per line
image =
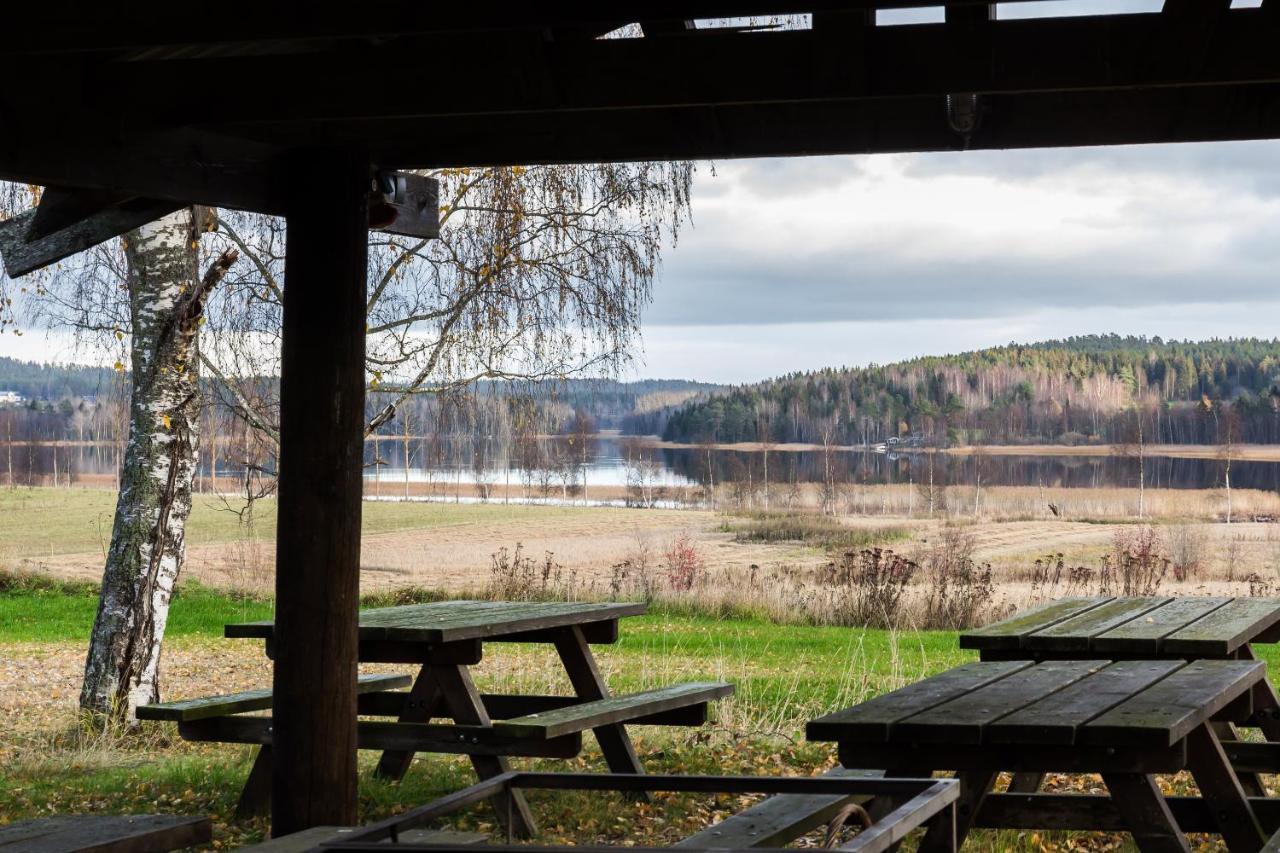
(1003, 57)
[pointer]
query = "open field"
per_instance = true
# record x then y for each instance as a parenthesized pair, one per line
(778, 565)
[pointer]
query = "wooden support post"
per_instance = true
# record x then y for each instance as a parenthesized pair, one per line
(321, 451)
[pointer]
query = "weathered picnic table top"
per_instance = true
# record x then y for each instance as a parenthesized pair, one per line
(1122, 704)
(451, 621)
(1142, 627)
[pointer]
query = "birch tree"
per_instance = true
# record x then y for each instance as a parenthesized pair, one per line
(166, 299)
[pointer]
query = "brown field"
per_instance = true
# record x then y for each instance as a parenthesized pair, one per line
(452, 547)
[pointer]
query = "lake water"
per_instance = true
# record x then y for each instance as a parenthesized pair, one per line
(613, 461)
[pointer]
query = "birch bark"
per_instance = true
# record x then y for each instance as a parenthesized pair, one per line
(147, 540)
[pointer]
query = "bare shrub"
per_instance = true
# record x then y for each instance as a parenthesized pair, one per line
(960, 590)
(634, 576)
(1260, 586)
(872, 584)
(515, 577)
(684, 563)
(1187, 546)
(1137, 565)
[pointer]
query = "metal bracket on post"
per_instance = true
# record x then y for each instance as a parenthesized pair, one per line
(405, 203)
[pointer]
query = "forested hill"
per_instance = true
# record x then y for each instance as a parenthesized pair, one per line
(1087, 389)
(36, 381)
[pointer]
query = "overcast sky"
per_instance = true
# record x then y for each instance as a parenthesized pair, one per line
(803, 263)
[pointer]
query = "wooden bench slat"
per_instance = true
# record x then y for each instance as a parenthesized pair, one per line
(870, 721)
(1144, 634)
(1076, 634)
(106, 834)
(413, 737)
(1166, 712)
(1226, 629)
(309, 839)
(1008, 634)
(777, 820)
(963, 720)
(1055, 719)
(185, 710)
(504, 706)
(615, 709)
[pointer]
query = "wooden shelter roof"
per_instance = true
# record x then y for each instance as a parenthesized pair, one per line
(196, 103)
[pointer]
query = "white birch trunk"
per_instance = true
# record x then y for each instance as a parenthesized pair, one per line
(147, 539)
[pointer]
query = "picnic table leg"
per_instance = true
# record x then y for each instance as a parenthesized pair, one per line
(1266, 704)
(1251, 782)
(464, 705)
(423, 703)
(1140, 802)
(1222, 791)
(974, 787)
(584, 675)
(255, 798)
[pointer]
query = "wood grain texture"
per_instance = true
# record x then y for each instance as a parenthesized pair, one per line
(1166, 712)
(1009, 634)
(873, 720)
(1145, 634)
(1076, 634)
(1055, 719)
(613, 709)
(1226, 629)
(964, 719)
(105, 834)
(249, 700)
(451, 621)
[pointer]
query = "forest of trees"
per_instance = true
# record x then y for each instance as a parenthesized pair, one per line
(1096, 389)
(53, 382)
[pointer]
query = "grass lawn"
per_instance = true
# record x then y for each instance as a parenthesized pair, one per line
(41, 522)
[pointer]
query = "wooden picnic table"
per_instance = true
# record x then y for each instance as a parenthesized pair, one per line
(1127, 720)
(445, 639)
(1143, 627)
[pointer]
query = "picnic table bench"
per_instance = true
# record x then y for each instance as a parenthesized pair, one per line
(105, 834)
(445, 639)
(1126, 720)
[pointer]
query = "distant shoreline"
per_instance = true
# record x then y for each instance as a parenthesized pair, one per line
(1241, 452)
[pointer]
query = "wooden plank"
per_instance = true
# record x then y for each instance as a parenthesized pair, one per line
(250, 700)
(105, 834)
(1144, 635)
(504, 706)
(780, 819)
(1167, 711)
(309, 839)
(891, 829)
(1009, 633)
(614, 709)
(458, 739)
(22, 254)
(1014, 758)
(964, 719)
(872, 720)
(1055, 719)
(1226, 629)
(451, 621)
(1076, 634)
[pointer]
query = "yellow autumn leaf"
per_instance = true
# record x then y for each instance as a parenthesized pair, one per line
(119, 367)
(164, 419)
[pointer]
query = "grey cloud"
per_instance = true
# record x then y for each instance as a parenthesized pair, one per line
(835, 287)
